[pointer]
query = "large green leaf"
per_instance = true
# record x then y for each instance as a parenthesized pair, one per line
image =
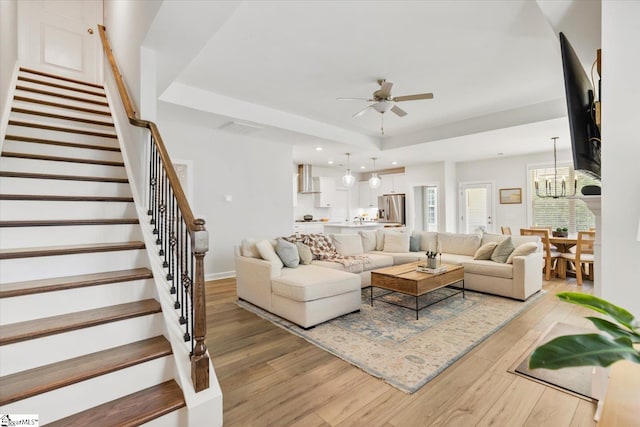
(583, 350)
(619, 314)
(614, 329)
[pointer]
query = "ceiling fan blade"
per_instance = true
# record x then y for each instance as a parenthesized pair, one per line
(385, 89)
(353, 99)
(413, 97)
(361, 112)
(399, 111)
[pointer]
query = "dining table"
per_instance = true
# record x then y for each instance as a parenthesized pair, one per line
(563, 245)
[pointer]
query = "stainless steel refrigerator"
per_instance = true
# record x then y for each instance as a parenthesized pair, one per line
(391, 208)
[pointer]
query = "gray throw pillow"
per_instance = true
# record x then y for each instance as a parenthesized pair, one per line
(414, 243)
(288, 253)
(305, 253)
(503, 250)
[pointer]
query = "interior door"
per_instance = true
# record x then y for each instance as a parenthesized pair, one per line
(476, 207)
(61, 37)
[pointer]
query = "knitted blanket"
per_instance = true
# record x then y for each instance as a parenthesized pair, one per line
(323, 249)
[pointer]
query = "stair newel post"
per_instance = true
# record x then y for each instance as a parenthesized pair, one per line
(199, 356)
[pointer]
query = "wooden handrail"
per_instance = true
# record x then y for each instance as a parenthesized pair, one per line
(195, 229)
(187, 214)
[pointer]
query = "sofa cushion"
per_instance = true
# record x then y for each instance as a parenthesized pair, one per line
(488, 268)
(305, 253)
(520, 240)
(348, 244)
(485, 251)
(380, 235)
(355, 267)
(428, 240)
(454, 259)
(490, 237)
(378, 261)
(503, 250)
(414, 243)
(248, 248)
(399, 257)
(368, 240)
(288, 253)
(310, 282)
(523, 250)
(461, 244)
(396, 242)
(268, 253)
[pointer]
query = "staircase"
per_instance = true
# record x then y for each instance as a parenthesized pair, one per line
(81, 329)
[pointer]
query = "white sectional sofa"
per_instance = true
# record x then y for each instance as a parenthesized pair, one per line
(314, 293)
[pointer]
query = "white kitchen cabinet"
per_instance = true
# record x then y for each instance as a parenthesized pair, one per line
(393, 184)
(308, 228)
(326, 187)
(367, 196)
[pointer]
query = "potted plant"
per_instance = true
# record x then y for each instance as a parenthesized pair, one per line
(616, 341)
(431, 259)
(561, 232)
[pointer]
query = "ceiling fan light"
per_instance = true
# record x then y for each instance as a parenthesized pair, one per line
(382, 106)
(374, 181)
(348, 180)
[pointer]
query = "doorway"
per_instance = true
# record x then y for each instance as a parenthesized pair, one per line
(476, 207)
(425, 207)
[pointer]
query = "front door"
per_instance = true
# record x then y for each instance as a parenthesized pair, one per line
(476, 206)
(61, 37)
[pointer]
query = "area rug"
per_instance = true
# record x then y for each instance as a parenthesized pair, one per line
(574, 380)
(388, 342)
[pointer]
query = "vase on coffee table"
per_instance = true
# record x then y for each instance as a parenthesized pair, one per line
(432, 263)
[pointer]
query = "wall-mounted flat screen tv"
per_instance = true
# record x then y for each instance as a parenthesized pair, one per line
(585, 134)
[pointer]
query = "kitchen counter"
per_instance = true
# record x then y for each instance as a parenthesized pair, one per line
(349, 228)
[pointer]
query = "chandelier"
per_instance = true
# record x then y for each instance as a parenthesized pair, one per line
(348, 179)
(555, 189)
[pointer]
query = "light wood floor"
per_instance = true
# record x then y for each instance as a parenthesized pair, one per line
(270, 377)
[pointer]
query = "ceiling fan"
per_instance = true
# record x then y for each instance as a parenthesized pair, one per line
(382, 101)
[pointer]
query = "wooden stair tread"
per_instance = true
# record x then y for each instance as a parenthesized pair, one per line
(61, 159)
(60, 143)
(59, 105)
(68, 250)
(67, 222)
(129, 411)
(25, 384)
(61, 129)
(61, 86)
(10, 174)
(53, 76)
(8, 290)
(31, 329)
(50, 198)
(60, 95)
(60, 116)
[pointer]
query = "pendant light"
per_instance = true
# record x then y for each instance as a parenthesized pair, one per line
(374, 181)
(553, 188)
(348, 180)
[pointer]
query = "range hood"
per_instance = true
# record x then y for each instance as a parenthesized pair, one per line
(305, 180)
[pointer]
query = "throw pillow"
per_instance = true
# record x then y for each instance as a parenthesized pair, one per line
(348, 244)
(268, 253)
(248, 248)
(396, 242)
(414, 243)
(288, 253)
(305, 253)
(368, 240)
(503, 250)
(379, 240)
(523, 250)
(485, 251)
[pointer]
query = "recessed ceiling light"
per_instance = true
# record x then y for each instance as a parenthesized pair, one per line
(318, 148)
(363, 167)
(394, 163)
(330, 162)
(500, 154)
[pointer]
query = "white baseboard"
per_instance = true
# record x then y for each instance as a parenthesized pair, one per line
(218, 276)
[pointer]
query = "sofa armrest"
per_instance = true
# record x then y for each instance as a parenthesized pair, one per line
(253, 281)
(527, 275)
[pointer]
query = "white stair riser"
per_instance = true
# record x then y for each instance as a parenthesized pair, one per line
(14, 210)
(174, 418)
(66, 92)
(21, 269)
(31, 237)
(78, 397)
(12, 164)
(68, 301)
(51, 121)
(55, 187)
(61, 151)
(64, 111)
(57, 81)
(61, 136)
(30, 354)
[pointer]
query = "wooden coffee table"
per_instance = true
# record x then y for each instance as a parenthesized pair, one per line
(406, 280)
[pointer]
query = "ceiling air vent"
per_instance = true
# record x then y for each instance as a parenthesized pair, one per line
(240, 128)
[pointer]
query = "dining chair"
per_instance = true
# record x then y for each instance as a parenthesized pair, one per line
(545, 227)
(506, 230)
(550, 256)
(583, 256)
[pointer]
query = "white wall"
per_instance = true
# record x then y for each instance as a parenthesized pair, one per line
(256, 174)
(8, 50)
(450, 197)
(305, 203)
(620, 153)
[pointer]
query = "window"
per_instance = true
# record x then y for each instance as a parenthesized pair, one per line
(431, 208)
(562, 212)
